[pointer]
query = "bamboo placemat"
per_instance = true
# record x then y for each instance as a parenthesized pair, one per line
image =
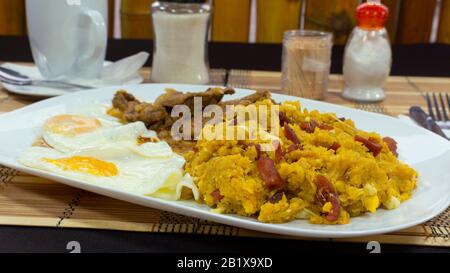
(31, 201)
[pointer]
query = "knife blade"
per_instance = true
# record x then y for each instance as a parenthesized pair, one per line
(424, 120)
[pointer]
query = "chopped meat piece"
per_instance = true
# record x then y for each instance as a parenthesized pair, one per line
(269, 173)
(121, 100)
(290, 134)
(370, 143)
(154, 116)
(212, 96)
(335, 210)
(392, 145)
(309, 127)
(324, 187)
(324, 126)
(178, 146)
(294, 147)
(216, 196)
(278, 151)
(131, 113)
(283, 118)
(335, 146)
(157, 115)
(258, 96)
(325, 193)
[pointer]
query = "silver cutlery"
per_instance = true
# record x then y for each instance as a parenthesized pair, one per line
(16, 78)
(426, 121)
(439, 108)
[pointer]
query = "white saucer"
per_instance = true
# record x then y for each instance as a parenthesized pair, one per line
(39, 91)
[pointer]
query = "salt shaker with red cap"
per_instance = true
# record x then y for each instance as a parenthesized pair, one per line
(368, 55)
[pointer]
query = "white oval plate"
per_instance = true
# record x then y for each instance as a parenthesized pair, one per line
(427, 152)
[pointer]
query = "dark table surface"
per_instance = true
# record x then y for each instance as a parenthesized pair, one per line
(408, 60)
(412, 60)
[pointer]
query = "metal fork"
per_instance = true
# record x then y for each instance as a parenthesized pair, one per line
(439, 108)
(16, 78)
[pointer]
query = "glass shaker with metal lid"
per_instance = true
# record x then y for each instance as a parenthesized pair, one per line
(180, 41)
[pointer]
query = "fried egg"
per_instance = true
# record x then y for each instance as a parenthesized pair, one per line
(126, 157)
(68, 133)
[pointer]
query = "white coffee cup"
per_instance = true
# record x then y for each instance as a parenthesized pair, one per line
(68, 38)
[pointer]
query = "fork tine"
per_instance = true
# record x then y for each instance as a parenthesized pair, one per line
(436, 105)
(430, 107)
(448, 101)
(444, 111)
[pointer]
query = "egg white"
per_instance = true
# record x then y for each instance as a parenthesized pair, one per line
(151, 168)
(100, 112)
(162, 177)
(102, 136)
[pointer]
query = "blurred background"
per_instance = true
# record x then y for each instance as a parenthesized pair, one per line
(264, 21)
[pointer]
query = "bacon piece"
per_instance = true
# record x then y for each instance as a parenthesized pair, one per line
(335, 210)
(309, 127)
(335, 146)
(325, 126)
(283, 118)
(278, 151)
(325, 193)
(269, 173)
(216, 196)
(290, 134)
(324, 187)
(294, 147)
(392, 145)
(370, 143)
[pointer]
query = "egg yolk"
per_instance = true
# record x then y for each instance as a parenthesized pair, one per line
(86, 165)
(371, 203)
(71, 125)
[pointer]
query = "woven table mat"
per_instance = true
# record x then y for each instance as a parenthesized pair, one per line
(27, 200)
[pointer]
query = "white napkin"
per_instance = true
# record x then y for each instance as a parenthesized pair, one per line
(122, 72)
(407, 119)
(117, 73)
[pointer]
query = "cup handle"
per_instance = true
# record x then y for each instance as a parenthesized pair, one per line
(97, 23)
